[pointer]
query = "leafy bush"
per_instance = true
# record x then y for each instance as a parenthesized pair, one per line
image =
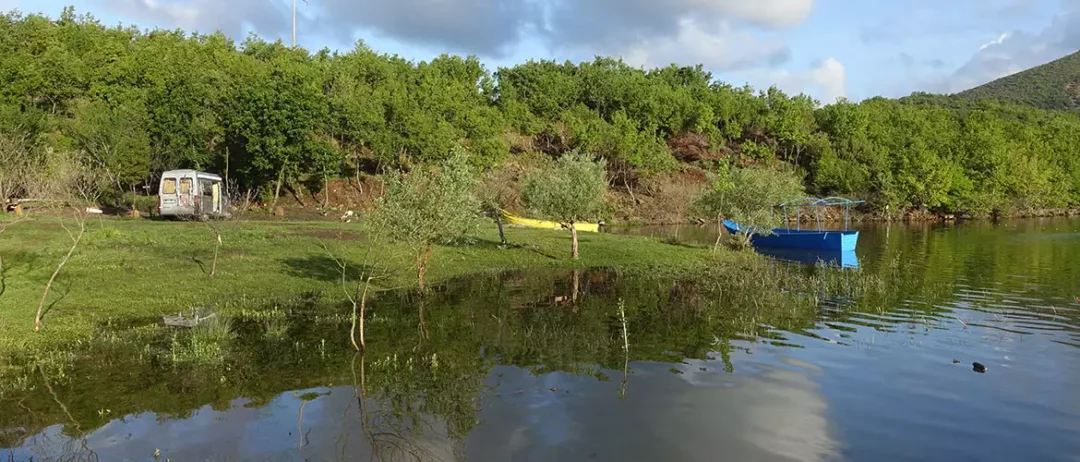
(750, 196)
(427, 206)
(570, 190)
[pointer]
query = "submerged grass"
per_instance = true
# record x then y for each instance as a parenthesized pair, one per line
(203, 345)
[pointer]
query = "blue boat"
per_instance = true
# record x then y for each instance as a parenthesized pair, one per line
(783, 238)
(817, 239)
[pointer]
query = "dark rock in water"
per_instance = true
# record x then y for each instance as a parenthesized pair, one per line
(956, 361)
(978, 367)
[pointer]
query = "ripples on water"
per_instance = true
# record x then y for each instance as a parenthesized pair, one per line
(510, 373)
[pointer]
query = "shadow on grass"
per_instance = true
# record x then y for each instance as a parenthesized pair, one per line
(684, 244)
(324, 268)
(129, 322)
(63, 294)
(493, 244)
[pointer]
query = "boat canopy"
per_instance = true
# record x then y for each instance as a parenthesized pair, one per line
(817, 203)
(831, 201)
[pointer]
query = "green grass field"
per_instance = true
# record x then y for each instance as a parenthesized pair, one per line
(130, 271)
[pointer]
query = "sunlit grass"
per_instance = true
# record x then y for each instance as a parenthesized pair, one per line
(139, 270)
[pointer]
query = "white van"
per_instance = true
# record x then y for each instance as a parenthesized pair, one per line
(189, 193)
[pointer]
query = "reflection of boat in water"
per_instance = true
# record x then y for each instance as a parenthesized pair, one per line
(798, 238)
(845, 259)
(545, 224)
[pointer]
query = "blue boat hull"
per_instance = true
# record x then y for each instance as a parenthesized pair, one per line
(831, 258)
(835, 241)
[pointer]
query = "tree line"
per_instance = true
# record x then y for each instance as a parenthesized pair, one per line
(132, 103)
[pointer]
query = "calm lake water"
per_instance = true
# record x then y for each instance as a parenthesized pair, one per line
(512, 367)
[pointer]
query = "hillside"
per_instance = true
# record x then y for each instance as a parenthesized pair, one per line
(1054, 85)
(124, 105)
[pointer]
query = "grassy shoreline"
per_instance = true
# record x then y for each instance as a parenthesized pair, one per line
(135, 271)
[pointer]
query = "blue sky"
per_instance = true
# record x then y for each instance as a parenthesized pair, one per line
(827, 48)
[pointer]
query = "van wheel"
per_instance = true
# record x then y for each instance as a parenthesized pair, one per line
(204, 217)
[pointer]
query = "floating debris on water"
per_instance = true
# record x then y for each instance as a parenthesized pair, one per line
(978, 367)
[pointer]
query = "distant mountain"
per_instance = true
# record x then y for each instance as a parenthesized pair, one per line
(1054, 85)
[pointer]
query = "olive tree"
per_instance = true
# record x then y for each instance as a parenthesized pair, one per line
(429, 205)
(569, 190)
(750, 196)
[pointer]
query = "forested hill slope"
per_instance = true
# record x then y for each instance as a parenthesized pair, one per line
(129, 104)
(1054, 85)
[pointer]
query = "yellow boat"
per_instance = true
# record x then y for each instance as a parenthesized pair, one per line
(544, 224)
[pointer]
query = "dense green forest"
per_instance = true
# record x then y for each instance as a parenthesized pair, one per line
(133, 103)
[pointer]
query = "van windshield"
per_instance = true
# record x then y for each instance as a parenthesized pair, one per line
(168, 186)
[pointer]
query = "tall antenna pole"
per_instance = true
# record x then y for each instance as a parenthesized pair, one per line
(294, 23)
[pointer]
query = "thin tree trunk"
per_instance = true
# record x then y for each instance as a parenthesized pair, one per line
(45, 294)
(574, 244)
(629, 190)
(423, 325)
(226, 170)
(498, 221)
(363, 376)
(300, 426)
(277, 189)
(3, 277)
(626, 350)
(358, 318)
(326, 192)
(359, 185)
(421, 267)
(213, 267)
(576, 285)
(719, 232)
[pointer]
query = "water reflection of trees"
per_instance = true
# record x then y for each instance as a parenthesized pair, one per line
(416, 399)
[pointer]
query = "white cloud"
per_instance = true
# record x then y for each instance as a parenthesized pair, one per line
(1003, 55)
(772, 13)
(722, 35)
(235, 17)
(714, 32)
(724, 47)
(994, 42)
(1014, 52)
(830, 78)
(826, 81)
